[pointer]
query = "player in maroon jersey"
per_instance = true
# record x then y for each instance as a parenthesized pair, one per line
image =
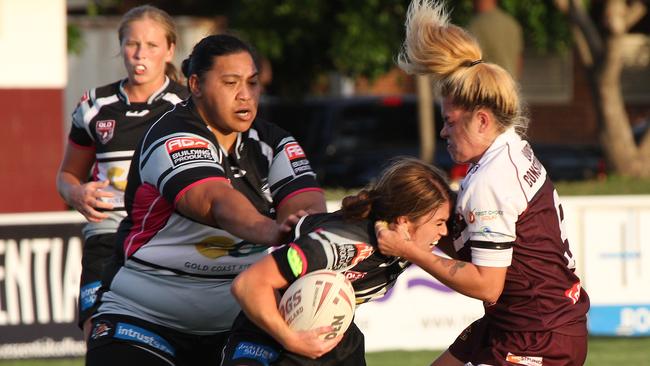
(508, 233)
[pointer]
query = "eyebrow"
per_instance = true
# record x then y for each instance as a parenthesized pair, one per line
(240, 76)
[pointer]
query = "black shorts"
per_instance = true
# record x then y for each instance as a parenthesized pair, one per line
(97, 249)
(483, 343)
(250, 346)
(124, 340)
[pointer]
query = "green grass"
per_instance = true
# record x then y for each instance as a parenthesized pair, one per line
(603, 351)
(612, 185)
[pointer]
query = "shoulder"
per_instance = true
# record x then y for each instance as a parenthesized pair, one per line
(337, 227)
(512, 173)
(178, 121)
(268, 133)
(175, 93)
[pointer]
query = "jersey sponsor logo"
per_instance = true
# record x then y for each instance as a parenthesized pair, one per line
(132, 333)
(297, 158)
(88, 295)
(354, 275)
(294, 151)
(262, 354)
(525, 360)
(351, 254)
(114, 174)
(137, 113)
(214, 247)
(101, 329)
(486, 215)
(183, 150)
(105, 130)
(573, 293)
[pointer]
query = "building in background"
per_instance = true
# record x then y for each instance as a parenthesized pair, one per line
(33, 77)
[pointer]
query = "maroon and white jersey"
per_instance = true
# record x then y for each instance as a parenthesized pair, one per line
(508, 215)
(106, 122)
(175, 271)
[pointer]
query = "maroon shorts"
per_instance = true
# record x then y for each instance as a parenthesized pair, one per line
(481, 343)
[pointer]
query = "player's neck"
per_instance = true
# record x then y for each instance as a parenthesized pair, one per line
(140, 93)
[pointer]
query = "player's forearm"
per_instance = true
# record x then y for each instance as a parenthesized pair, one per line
(463, 277)
(242, 220)
(65, 185)
(311, 201)
(258, 302)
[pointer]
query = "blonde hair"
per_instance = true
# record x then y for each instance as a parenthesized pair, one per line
(452, 56)
(407, 187)
(159, 16)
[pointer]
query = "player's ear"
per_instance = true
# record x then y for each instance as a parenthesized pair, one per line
(401, 220)
(195, 85)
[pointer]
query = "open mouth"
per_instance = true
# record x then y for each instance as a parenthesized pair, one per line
(140, 69)
(243, 113)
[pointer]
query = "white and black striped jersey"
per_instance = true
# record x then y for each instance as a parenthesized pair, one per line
(327, 241)
(175, 271)
(107, 123)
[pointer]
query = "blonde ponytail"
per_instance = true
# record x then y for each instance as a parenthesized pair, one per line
(436, 47)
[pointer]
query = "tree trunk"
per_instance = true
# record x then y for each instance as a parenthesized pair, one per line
(604, 65)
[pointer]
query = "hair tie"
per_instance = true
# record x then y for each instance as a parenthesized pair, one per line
(474, 63)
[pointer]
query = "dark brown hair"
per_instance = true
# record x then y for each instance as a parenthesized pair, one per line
(407, 187)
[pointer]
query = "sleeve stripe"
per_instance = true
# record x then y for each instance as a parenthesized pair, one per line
(184, 190)
(82, 147)
(298, 192)
(490, 244)
(491, 258)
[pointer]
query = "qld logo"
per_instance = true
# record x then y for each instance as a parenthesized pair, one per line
(105, 130)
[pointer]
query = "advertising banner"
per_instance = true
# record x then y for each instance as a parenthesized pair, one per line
(40, 265)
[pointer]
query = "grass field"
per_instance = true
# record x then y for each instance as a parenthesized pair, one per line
(602, 352)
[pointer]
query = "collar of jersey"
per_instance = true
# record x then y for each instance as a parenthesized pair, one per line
(152, 98)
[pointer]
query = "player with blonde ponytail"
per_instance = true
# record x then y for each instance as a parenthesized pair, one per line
(508, 233)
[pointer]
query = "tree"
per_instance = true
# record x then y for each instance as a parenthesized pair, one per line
(305, 39)
(600, 50)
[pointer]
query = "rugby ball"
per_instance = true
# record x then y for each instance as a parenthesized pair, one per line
(319, 299)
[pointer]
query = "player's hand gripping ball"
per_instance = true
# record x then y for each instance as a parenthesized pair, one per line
(319, 299)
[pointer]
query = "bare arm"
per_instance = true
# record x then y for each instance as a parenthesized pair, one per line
(310, 202)
(217, 203)
(483, 283)
(83, 197)
(255, 291)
